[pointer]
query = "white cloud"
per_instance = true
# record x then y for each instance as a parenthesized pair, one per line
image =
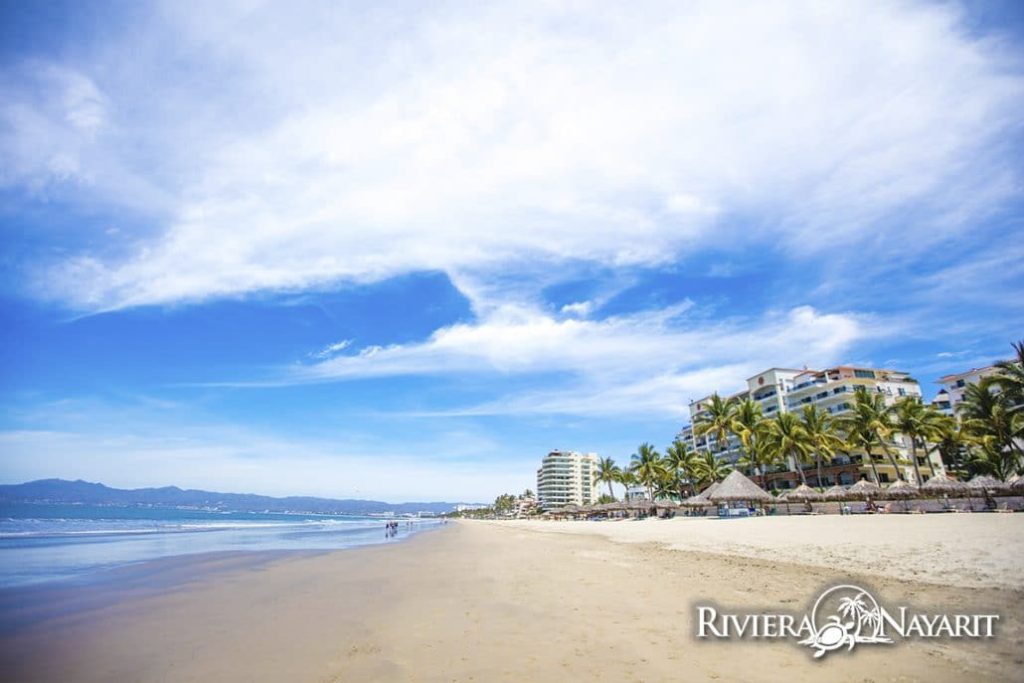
(332, 349)
(641, 364)
(329, 145)
(580, 308)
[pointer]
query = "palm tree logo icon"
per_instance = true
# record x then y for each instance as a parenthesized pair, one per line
(857, 619)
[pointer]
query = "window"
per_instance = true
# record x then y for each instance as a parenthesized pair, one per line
(960, 384)
(864, 374)
(883, 477)
(902, 391)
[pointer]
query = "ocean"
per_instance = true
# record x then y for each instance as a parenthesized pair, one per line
(42, 543)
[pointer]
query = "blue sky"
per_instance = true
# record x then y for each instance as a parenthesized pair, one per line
(399, 253)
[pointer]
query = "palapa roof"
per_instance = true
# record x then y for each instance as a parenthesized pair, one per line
(803, 492)
(900, 489)
(863, 489)
(702, 497)
(837, 492)
(983, 481)
(940, 483)
(738, 487)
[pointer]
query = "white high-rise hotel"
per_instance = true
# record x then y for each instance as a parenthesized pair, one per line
(780, 390)
(566, 478)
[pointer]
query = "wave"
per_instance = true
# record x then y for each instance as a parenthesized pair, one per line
(188, 527)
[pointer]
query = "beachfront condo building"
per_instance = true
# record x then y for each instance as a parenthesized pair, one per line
(566, 478)
(953, 387)
(779, 390)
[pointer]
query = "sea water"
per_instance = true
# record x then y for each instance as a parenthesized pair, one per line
(43, 542)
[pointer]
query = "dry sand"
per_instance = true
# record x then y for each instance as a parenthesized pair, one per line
(977, 550)
(501, 602)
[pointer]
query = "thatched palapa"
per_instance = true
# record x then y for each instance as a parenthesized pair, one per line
(901, 489)
(940, 484)
(803, 494)
(864, 489)
(738, 487)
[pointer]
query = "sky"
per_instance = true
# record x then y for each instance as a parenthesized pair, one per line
(402, 250)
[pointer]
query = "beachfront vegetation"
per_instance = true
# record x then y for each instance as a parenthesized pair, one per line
(608, 473)
(985, 437)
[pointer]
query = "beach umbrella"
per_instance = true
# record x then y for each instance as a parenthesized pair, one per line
(901, 490)
(701, 498)
(837, 492)
(863, 489)
(988, 486)
(940, 484)
(738, 487)
(984, 482)
(803, 493)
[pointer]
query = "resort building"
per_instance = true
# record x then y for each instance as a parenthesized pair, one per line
(566, 478)
(953, 387)
(779, 390)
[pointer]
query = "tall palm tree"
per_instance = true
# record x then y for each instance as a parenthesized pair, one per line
(647, 466)
(752, 429)
(608, 472)
(747, 421)
(987, 416)
(679, 460)
(954, 446)
(919, 423)
(789, 438)
(821, 435)
(710, 468)
(871, 423)
(1011, 378)
(719, 421)
(859, 431)
(627, 479)
(760, 454)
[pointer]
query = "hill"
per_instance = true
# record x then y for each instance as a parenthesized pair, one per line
(83, 492)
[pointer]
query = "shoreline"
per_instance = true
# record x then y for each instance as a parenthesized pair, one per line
(492, 601)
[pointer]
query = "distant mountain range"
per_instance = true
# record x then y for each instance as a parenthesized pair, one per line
(63, 491)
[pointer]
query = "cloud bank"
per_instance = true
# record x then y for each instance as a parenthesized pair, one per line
(468, 139)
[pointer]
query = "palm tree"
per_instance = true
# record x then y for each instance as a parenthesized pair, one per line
(919, 423)
(860, 433)
(789, 438)
(710, 469)
(719, 421)
(607, 472)
(987, 416)
(821, 435)
(1011, 378)
(679, 460)
(871, 424)
(647, 466)
(747, 421)
(952, 445)
(627, 479)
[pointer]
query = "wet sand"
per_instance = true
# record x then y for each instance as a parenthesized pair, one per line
(496, 602)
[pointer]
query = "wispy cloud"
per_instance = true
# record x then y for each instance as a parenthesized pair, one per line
(639, 364)
(482, 136)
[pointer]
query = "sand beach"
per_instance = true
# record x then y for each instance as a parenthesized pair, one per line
(542, 601)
